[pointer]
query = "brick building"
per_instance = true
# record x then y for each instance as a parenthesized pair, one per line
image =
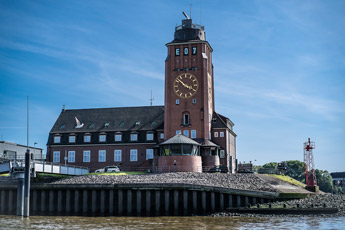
(186, 134)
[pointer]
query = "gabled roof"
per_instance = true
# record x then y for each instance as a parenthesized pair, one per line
(180, 139)
(220, 121)
(208, 143)
(110, 119)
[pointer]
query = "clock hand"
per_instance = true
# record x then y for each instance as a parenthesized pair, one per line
(185, 85)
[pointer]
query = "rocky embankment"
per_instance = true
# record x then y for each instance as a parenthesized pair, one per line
(319, 201)
(234, 181)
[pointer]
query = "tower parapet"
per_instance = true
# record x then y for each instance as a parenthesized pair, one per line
(189, 32)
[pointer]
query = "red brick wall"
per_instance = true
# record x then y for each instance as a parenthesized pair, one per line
(179, 164)
(142, 164)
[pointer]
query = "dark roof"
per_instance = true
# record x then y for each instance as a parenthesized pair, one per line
(110, 119)
(208, 143)
(220, 121)
(338, 175)
(180, 139)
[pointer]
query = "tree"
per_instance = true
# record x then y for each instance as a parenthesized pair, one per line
(324, 180)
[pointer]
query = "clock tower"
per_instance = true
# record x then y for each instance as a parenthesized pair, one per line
(189, 98)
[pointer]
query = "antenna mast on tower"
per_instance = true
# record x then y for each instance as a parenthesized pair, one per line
(151, 99)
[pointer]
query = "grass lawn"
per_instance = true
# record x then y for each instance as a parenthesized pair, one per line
(118, 173)
(288, 179)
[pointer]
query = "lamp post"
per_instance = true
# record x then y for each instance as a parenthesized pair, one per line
(35, 149)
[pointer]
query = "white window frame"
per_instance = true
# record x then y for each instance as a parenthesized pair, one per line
(149, 136)
(178, 131)
(57, 139)
(134, 135)
(194, 100)
(56, 156)
(215, 134)
(100, 138)
(221, 134)
(71, 139)
(149, 154)
(177, 101)
(193, 133)
(99, 155)
(134, 155)
(86, 155)
(87, 138)
(186, 133)
(117, 155)
(118, 137)
(186, 119)
(161, 135)
(71, 156)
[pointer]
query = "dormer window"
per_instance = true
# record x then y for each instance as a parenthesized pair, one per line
(118, 137)
(122, 124)
(153, 123)
(137, 123)
(57, 139)
(62, 126)
(87, 138)
(106, 125)
(102, 138)
(149, 136)
(92, 125)
(71, 139)
(134, 137)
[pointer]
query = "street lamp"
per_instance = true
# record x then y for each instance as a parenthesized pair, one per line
(35, 149)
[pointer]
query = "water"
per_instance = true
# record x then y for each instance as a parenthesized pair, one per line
(214, 223)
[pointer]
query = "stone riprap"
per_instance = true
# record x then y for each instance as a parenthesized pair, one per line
(233, 181)
(319, 201)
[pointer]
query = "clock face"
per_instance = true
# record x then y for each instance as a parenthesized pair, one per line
(185, 85)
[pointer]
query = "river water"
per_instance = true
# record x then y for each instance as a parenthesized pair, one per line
(214, 223)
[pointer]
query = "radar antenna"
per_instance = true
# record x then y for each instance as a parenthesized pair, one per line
(184, 13)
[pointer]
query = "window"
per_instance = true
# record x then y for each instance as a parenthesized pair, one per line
(177, 101)
(134, 137)
(193, 133)
(178, 131)
(149, 136)
(57, 139)
(102, 137)
(215, 134)
(117, 155)
(185, 51)
(62, 126)
(118, 137)
(186, 133)
(194, 100)
(71, 139)
(222, 154)
(161, 136)
(86, 156)
(186, 119)
(177, 52)
(92, 125)
(221, 134)
(122, 124)
(56, 156)
(134, 155)
(137, 123)
(106, 125)
(194, 50)
(87, 138)
(101, 156)
(149, 154)
(71, 156)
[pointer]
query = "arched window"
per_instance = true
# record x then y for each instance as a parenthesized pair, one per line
(186, 119)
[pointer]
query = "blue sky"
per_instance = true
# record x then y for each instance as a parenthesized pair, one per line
(279, 67)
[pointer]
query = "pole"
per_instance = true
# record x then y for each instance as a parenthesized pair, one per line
(27, 171)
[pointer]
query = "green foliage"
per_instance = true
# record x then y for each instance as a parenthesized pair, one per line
(295, 170)
(324, 180)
